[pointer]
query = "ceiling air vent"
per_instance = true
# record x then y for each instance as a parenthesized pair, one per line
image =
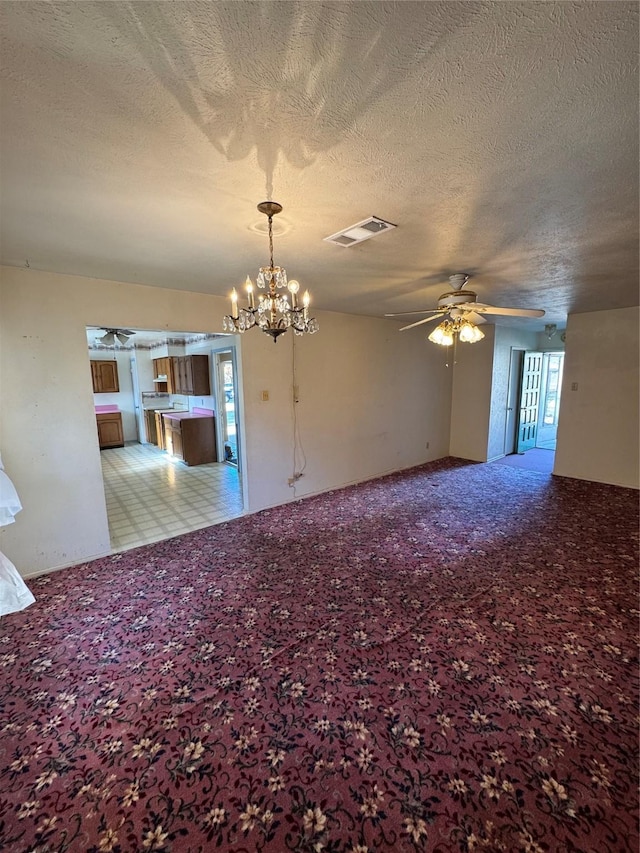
(370, 227)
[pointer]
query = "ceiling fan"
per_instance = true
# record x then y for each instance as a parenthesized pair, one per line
(110, 336)
(463, 313)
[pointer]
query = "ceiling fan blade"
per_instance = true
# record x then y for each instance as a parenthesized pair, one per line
(508, 312)
(474, 317)
(424, 311)
(420, 322)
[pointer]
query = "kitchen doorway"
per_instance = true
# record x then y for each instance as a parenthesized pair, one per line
(152, 494)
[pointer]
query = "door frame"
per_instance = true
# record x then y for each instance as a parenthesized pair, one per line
(231, 344)
(544, 389)
(514, 382)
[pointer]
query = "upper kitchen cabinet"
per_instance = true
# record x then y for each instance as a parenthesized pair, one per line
(191, 375)
(104, 375)
(163, 378)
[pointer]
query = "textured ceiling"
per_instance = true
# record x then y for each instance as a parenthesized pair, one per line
(501, 138)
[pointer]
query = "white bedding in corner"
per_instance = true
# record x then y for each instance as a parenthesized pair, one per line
(10, 504)
(14, 593)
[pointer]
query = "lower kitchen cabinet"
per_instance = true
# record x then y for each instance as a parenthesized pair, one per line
(110, 433)
(193, 440)
(160, 424)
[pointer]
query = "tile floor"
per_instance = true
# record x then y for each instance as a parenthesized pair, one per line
(151, 496)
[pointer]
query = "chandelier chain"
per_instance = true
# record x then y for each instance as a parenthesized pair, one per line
(271, 241)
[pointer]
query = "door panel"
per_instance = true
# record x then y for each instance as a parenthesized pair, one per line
(529, 401)
(513, 400)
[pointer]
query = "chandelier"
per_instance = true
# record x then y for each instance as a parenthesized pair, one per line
(274, 314)
(445, 333)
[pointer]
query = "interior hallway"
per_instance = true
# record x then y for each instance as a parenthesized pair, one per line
(151, 496)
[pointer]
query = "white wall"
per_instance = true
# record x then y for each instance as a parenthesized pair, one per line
(370, 399)
(471, 399)
(598, 430)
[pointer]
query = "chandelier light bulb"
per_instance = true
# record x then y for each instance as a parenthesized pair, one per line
(249, 288)
(294, 287)
(234, 304)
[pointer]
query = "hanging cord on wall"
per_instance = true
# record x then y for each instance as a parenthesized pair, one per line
(299, 456)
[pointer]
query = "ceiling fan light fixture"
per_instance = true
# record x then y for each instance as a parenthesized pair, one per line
(442, 334)
(469, 334)
(111, 335)
(445, 333)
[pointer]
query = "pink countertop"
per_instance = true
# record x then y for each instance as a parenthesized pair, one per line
(181, 416)
(103, 410)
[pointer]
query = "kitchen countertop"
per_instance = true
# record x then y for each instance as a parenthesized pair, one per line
(181, 416)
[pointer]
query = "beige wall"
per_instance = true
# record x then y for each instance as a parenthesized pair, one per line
(598, 430)
(370, 400)
(471, 398)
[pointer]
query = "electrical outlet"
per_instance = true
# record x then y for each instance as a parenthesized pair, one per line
(574, 386)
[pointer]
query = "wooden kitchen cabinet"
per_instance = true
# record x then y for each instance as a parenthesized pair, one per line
(150, 426)
(193, 440)
(160, 429)
(104, 375)
(191, 375)
(163, 375)
(110, 433)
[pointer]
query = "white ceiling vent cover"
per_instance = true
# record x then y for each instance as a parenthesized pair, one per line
(370, 227)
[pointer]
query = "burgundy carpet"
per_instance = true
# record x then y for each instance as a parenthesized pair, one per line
(440, 660)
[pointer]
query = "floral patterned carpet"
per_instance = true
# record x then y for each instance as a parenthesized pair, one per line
(439, 660)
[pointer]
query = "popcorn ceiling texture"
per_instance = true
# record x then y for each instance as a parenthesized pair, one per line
(500, 137)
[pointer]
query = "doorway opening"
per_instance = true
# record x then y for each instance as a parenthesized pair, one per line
(164, 472)
(535, 382)
(226, 393)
